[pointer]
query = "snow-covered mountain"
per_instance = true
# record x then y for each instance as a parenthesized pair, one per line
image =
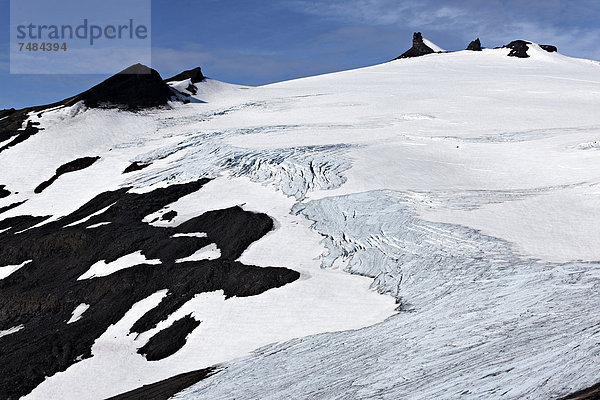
(424, 228)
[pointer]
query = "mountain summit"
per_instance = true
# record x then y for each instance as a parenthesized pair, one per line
(135, 87)
(195, 75)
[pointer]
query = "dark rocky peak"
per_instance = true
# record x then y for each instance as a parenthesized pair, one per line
(419, 48)
(549, 48)
(194, 74)
(475, 45)
(133, 88)
(518, 48)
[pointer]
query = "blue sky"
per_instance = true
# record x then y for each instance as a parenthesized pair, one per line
(256, 42)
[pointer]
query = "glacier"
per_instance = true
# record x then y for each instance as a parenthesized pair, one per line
(441, 212)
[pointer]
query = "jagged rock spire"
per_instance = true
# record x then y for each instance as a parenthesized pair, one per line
(419, 48)
(475, 45)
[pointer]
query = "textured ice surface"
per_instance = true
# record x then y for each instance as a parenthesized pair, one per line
(293, 170)
(477, 320)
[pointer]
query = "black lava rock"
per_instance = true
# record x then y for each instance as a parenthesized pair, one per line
(418, 48)
(72, 166)
(4, 192)
(11, 206)
(591, 393)
(194, 74)
(167, 388)
(518, 48)
(133, 88)
(11, 122)
(549, 48)
(475, 45)
(169, 215)
(136, 166)
(168, 341)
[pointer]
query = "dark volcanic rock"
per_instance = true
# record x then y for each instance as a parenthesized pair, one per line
(11, 206)
(166, 389)
(4, 192)
(168, 341)
(591, 393)
(11, 122)
(475, 45)
(549, 48)
(169, 215)
(136, 166)
(194, 74)
(518, 48)
(75, 165)
(133, 88)
(42, 295)
(418, 48)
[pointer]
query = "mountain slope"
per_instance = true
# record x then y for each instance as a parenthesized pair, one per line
(462, 186)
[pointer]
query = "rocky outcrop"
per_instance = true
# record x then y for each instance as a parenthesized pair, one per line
(72, 166)
(136, 166)
(194, 74)
(11, 122)
(549, 48)
(168, 341)
(518, 48)
(167, 388)
(133, 88)
(419, 48)
(475, 45)
(4, 192)
(591, 393)
(11, 206)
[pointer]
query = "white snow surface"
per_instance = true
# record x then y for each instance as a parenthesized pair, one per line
(210, 252)
(195, 234)
(464, 185)
(433, 46)
(9, 331)
(7, 270)
(78, 313)
(101, 268)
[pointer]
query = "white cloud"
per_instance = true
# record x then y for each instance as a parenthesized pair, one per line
(496, 22)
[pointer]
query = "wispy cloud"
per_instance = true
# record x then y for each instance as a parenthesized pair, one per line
(570, 25)
(381, 12)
